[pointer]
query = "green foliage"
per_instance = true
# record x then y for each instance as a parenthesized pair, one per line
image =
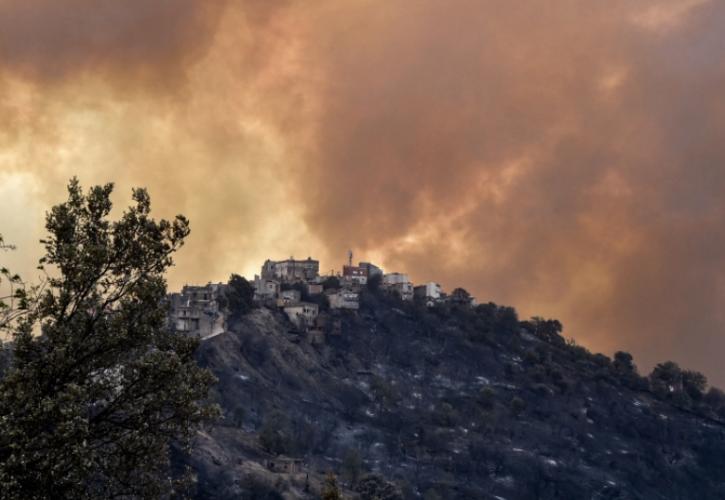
(91, 406)
(330, 490)
(239, 297)
(15, 299)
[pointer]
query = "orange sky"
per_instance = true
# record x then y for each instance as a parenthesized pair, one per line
(563, 157)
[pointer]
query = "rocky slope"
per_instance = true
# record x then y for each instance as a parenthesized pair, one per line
(445, 403)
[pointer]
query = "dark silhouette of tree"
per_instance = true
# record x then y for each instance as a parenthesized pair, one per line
(331, 282)
(460, 297)
(623, 363)
(239, 297)
(373, 283)
(92, 404)
(694, 384)
(14, 298)
(330, 490)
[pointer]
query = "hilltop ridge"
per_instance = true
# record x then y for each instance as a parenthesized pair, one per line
(447, 401)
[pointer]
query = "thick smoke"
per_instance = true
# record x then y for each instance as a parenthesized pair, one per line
(563, 157)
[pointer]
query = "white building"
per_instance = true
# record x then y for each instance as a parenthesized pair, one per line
(288, 298)
(302, 314)
(371, 269)
(195, 311)
(344, 299)
(431, 292)
(265, 289)
(354, 275)
(399, 283)
(291, 270)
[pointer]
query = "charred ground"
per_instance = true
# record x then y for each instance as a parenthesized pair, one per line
(449, 402)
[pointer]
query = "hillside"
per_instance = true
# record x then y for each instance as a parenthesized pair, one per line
(445, 403)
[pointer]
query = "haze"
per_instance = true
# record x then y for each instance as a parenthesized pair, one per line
(563, 157)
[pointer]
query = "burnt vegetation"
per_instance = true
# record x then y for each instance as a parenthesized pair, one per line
(453, 401)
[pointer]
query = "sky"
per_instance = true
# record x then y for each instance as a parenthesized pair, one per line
(565, 157)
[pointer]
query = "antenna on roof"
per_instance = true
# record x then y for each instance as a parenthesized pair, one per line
(349, 257)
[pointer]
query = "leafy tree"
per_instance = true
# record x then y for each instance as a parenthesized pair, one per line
(694, 384)
(623, 363)
(331, 491)
(14, 298)
(460, 296)
(517, 406)
(666, 378)
(548, 330)
(92, 404)
(715, 398)
(239, 297)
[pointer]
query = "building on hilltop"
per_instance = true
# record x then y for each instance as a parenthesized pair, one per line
(302, 314)
(196, 310)
(344, 299)
(288, 297)
(354, 275)
(265, 289)
(430, 292)
(370, 269)
(291, 270)
(399, 283)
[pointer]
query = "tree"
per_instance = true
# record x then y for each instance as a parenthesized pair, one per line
(623, 363)
(14, 298)
(694, 384)
(461, 297)
(93, 403)
(331, 491)
(666, 378)
(239, 297)
(548, 330)
(517, 406)
(374, 487)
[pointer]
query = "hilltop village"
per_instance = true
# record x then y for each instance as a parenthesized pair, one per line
(308, 298)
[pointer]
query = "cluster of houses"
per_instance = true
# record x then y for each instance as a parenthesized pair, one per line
(298, 288)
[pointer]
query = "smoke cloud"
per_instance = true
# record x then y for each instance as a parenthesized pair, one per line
(563, 158)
